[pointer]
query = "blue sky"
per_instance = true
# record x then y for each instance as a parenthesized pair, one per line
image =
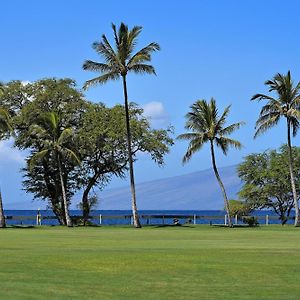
(221, 49)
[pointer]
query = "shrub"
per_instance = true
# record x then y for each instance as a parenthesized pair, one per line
(251, 221)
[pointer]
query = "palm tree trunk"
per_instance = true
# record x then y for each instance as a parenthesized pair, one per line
(68, 219)
(291, 167)
(2, 217)
(226, 204)
(136, 221)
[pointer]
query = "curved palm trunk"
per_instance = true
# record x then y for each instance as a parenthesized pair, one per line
(2, 217)
(220, 183)
(291, 167)
(68, 219)
(136, 221)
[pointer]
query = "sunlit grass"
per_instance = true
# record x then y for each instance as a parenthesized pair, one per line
(198, 262)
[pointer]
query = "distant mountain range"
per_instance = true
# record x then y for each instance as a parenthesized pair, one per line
(195, 191)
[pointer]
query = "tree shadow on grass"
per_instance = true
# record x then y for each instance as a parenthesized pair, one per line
(234, 226)
(170, 225)
(21, 227)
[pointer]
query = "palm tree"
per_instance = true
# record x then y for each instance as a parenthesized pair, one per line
(286, 105)
(208, 127)
(56, 144)
(118, 62)
(5, 129)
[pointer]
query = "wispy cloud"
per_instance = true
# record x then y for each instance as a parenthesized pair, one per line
(8, 154)
(156, 113)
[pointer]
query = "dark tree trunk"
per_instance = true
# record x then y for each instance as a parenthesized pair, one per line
(283, 219)
(291, 167)
(2, 217)
(68, 219)
(85, 207)
(85, 200)
(59, 216)
(226, 204)
(59, 213)
(136, 221)
(282, 212)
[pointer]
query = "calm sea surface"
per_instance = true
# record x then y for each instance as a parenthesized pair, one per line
(122, 217)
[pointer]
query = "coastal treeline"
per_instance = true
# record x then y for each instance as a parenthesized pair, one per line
(75, 146)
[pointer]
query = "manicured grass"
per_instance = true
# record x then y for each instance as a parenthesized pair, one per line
(198, 262)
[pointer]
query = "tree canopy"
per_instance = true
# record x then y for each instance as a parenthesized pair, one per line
(98, 139)
(266, 180)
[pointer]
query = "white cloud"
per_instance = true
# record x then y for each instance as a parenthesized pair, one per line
(156, 113)
(8, 154)
(25, 82)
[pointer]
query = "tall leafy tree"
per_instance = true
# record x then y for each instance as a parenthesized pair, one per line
(207, 126)
(56, 144)
(5, 131)
(5, 128)
(29, 103)
(286, 105)
(102, 146)
(118, 62)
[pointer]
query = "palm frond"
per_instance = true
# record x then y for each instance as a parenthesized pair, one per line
(194, 146)
(142, 69)
(295, 94)
(221, 144)
(190, 136)
(206, 125)
(132, 37)
(36, 158)
(262, 97)
(222, 120)
(213, 113)
(266, 122)
(38, 132)
(2, 86)
(231, 128)
(65, 135)
(144, 54)
(72, 155)
(101, 79)
(120, 60)
(293, 113)
(96, 67)
(5, 121)
(272, 107)
(199, 118)
(295, 125)
(286, 105)
(228, 142)
(106, 52)
(124, 47)
(115, 34)
(49, 120)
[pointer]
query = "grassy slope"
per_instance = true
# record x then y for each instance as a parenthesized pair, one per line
(151, 263)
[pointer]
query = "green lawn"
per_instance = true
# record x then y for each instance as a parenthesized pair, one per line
(198, 262)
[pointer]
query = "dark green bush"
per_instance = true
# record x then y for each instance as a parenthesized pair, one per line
(251, 221)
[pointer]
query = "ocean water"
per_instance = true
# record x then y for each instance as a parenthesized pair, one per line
(147, 217)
